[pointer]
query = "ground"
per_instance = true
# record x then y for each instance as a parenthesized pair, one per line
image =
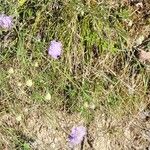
(100, 81)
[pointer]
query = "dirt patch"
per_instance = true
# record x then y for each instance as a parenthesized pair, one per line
(39, 131)
(126, 134)
(51, 130)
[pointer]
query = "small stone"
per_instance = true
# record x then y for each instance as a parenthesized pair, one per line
(26, 110)
(139, 5)
(56, 140)
(53, 145)
(48, 96)
(29, 83)
(18, 118)
(11, 70)
(36, 64)
(140, 40)
(145, 114)
(19, 84)
(127, 133)
(130, 23)
(92, 106)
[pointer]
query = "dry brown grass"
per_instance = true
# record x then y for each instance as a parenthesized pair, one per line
(94, 83)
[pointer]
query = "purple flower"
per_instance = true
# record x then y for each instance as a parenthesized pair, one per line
(77, 135)
(6, 22)
(55, 49)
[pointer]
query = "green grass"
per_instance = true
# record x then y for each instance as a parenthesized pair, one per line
(93, 68)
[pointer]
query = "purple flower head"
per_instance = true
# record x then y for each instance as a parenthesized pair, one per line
(55, 49)
(6, 22)
(77, 135)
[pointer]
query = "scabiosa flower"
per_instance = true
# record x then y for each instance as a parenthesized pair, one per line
(77, 135)
(6, 22)
(55, 49)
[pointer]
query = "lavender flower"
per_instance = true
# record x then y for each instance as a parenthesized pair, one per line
(77, 135)
(55, 49)
(6, 22)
